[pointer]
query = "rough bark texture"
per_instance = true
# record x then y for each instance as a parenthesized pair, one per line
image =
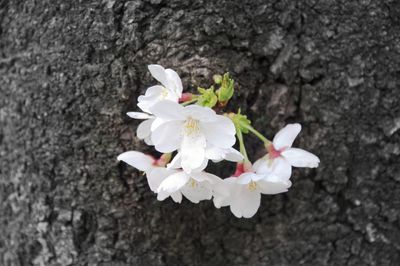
(70, 70)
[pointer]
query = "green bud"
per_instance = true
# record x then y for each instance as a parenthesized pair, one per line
(225, 92)
(240, 121)
(207, 97)
(217, 79)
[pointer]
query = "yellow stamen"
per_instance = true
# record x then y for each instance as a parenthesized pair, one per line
(193, 183)
(252, 186)
(191, 127)
(164, 93)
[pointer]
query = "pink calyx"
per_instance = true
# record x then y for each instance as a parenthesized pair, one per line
(273, 153)
(187, 96)
(163, 160)
(242, 168)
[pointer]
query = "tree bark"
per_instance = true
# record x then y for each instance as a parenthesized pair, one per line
(70, 70)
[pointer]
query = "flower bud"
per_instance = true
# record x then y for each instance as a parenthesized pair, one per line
(217, 79)
(186, 96)
(225, 92)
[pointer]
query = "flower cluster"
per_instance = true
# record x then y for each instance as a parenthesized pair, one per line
(187, 126)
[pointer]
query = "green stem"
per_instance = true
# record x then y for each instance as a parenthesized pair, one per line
(259, 135)
(241, 145)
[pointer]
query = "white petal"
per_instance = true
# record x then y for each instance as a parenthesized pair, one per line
(260, 164)
(167, 137)
(156, 175)
(148, 141)
(247, 177)
(204, 176)
(176, 162)
(157, 122)
(139, 115)
(217, 154)
(214, 153)
(300, 158)
(177, 197)
(168, 110)
(137, 159)
(281, 170)
(265, 165)
(275, 169)
(220, 133)
(154, 90)
(246, 203)
(203, 114)
(153, 95)
(173, 182)
(143, 131)
(233, 155)
(196, 191)
(175, 81)
(201, 167)
(170, 95)
(162, 195)
(192, 152)
(286, 136)
(218, 185)
(228, 190)
(267, 187)
(158, 72)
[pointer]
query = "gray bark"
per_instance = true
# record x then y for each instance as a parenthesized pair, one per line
(70, 70)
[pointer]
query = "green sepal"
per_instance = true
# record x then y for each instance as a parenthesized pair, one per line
(207, 97)
(241, 122)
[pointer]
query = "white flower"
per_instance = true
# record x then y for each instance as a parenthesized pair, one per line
(246, 189)
(143, 131)
(195, 187)
(190, 130)
(282, 156)
(154, 169)
(171, 90)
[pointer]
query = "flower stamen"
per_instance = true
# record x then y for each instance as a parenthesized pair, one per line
(252, 186)
(193, 183)
(191, 127)
(164, 93)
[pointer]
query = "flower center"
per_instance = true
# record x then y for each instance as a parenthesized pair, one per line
(193, 183)
(164, 93)
(191, 127)
(273, 153)
(252, 186)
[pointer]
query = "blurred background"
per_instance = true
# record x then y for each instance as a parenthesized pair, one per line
(70, 70)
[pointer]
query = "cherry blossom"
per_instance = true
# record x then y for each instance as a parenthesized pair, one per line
(245, 190)
(282, 156)
(195, 187)
(190, 130)
(171, 90)
(155, 169)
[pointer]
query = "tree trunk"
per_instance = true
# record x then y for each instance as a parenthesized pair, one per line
(70, 70)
